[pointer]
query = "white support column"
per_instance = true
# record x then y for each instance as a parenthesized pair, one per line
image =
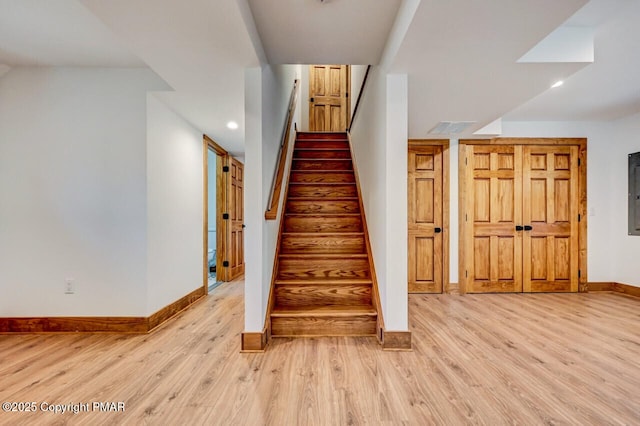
(253, 202)
(397, 105)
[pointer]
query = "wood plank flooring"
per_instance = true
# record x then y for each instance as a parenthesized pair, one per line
(477, 359)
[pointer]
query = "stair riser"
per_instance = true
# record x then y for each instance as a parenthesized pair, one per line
(321, 244)
(324, 224)
(321, 135)
(319, 191)
(322, 207)
(296, 296)
(323, 268)
(325, 144)
(321, 165)
(332, 154)
(311, 177)
(325, 326)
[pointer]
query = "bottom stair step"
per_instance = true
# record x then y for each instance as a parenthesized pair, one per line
(329, 320)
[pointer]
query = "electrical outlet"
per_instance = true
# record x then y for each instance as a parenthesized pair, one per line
(70, 287)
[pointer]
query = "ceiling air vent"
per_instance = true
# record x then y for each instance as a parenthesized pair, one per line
(450, 127)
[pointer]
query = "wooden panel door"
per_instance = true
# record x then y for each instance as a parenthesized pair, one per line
(328, 98)
(425, 224)
(236, 219)
(493, 247)
(550, 218)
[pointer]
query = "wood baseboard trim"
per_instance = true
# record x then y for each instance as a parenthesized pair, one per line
(254, 341)
(452, 288)
(629, 290)
(174, 308)
(124, 325)
(134, 325)
(396, 340)
(600, 286)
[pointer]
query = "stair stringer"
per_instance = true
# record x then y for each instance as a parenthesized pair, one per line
(274, 272)
(375, 293)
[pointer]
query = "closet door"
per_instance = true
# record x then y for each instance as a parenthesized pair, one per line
(425, 224)
(493, 200)
(550, 218)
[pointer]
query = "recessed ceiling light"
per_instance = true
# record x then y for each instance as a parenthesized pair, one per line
(557, 84)
(232, 125)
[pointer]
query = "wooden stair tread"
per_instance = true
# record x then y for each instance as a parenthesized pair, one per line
(321, 184)
(324, 281)
(316, 256)
(323, 198)
(322, 140)
(320, 159)
(321, 215)
(324, 311)
(319, 148)
(324, 234)
(323, 171)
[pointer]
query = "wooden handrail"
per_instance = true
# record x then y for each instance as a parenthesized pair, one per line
(278, 173)
(355, 110)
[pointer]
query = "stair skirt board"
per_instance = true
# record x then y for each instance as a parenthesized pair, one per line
(322, 281)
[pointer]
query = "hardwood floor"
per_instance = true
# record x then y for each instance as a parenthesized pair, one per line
(477, 359)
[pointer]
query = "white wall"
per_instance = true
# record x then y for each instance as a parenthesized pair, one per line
(379, 137)
(624, 249)
(174, 206)
(357, 76)
(267, 93)
(73, 191)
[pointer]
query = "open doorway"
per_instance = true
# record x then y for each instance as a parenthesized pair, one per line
(212, 243)
(214, 201)
(223, 228)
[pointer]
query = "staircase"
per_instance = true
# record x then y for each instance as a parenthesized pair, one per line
(323, 284)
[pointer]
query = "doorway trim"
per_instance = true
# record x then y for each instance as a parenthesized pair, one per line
(581, 143)
(221, 199)
(444, 143)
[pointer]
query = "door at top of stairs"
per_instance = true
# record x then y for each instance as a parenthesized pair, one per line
(329, 106)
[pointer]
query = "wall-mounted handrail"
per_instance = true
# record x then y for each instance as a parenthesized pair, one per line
(278, 173)
(355, 110)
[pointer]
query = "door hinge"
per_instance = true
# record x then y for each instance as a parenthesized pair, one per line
(579, 273)
(579, 162)
(225, 169)
(465, 161)
(466, 219)
(346, 95)
(225, 263)
(579, 217)
(225, 216)
(466, 274)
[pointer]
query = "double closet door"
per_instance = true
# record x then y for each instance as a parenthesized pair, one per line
(519, 214)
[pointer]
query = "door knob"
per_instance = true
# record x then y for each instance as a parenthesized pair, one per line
(519, 228)
(528, 227)
(437, 230)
